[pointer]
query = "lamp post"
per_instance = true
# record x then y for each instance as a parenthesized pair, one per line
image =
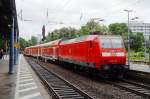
(128, 11)
(102, 20)
(135, 18)
(145, 37)
(93, 19)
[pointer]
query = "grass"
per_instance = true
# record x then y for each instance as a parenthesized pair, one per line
(139, 56)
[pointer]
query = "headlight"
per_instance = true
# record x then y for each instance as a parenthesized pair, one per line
(119, 54)
(106, 67)
(106, 54)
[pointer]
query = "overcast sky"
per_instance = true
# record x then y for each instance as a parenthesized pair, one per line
(70, 11)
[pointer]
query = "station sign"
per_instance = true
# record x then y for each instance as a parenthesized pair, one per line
(16, 45)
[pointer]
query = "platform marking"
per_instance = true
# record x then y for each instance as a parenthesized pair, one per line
(32, 83)
(26, 80)
(26, 87)
(25, 74)
(31, 96)
(27, 77)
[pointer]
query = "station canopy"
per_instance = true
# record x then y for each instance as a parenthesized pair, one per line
(7, 12)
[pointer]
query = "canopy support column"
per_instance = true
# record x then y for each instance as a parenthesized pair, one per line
(15, 49)
(11, 56)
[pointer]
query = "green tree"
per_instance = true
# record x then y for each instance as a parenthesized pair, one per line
(92, 26)
(118, 28)
(72, 32)
(138, 42)
(61, 33)
(34, 40)
(23, 43)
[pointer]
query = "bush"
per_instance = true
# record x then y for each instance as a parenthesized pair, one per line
(141, 54)
(135, 56)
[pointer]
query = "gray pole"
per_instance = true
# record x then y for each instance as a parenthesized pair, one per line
(128, 40)
(128, 11)
(145, 39)
(149, 51)
(11, 54)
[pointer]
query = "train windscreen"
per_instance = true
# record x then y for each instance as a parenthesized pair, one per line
(117, 42)
(111, 42)
(105, 43)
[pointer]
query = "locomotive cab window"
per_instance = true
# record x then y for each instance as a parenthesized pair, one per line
(111, 42)
(117, 43)
(105, 43)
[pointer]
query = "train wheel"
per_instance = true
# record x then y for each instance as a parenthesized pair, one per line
(75, 67)
(45, 60)
(120, 76)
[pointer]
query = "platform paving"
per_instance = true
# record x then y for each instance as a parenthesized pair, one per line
(28, 84)
(140, 67)
(7, 82)
(23, 84)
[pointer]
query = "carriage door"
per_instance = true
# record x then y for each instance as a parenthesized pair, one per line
(30, 51)
(54, 53)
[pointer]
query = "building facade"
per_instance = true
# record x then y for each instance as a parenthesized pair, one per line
(140, 27)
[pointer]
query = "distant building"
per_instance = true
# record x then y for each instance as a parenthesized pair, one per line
(140, 27)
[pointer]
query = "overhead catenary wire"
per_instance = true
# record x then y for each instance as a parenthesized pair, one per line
(107, 15)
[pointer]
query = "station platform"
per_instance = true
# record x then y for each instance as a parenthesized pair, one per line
(23, 84)
(7, 82)
(140, 67)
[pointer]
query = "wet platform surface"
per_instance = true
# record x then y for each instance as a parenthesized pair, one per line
(23, 84)
(28, 84)
(7, 82)
(140, 67)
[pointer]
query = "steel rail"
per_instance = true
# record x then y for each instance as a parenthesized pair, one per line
(137, 89)
(143, 85)
(59, 87)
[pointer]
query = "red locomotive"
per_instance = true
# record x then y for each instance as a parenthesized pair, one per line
(104, 53)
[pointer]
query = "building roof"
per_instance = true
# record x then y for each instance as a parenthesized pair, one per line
(138, 23)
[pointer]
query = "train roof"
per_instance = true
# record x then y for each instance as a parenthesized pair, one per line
(110, 36)
(33, 46)
(87, 38)
(79, 39)
(51, 43)
(75, 40)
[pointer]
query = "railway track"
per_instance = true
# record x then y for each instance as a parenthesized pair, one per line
(58, 87)
(138, 72)
(134, 88)
(140, 89)
(143, 85)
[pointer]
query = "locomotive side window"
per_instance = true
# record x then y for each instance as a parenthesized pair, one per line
(91, 45)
